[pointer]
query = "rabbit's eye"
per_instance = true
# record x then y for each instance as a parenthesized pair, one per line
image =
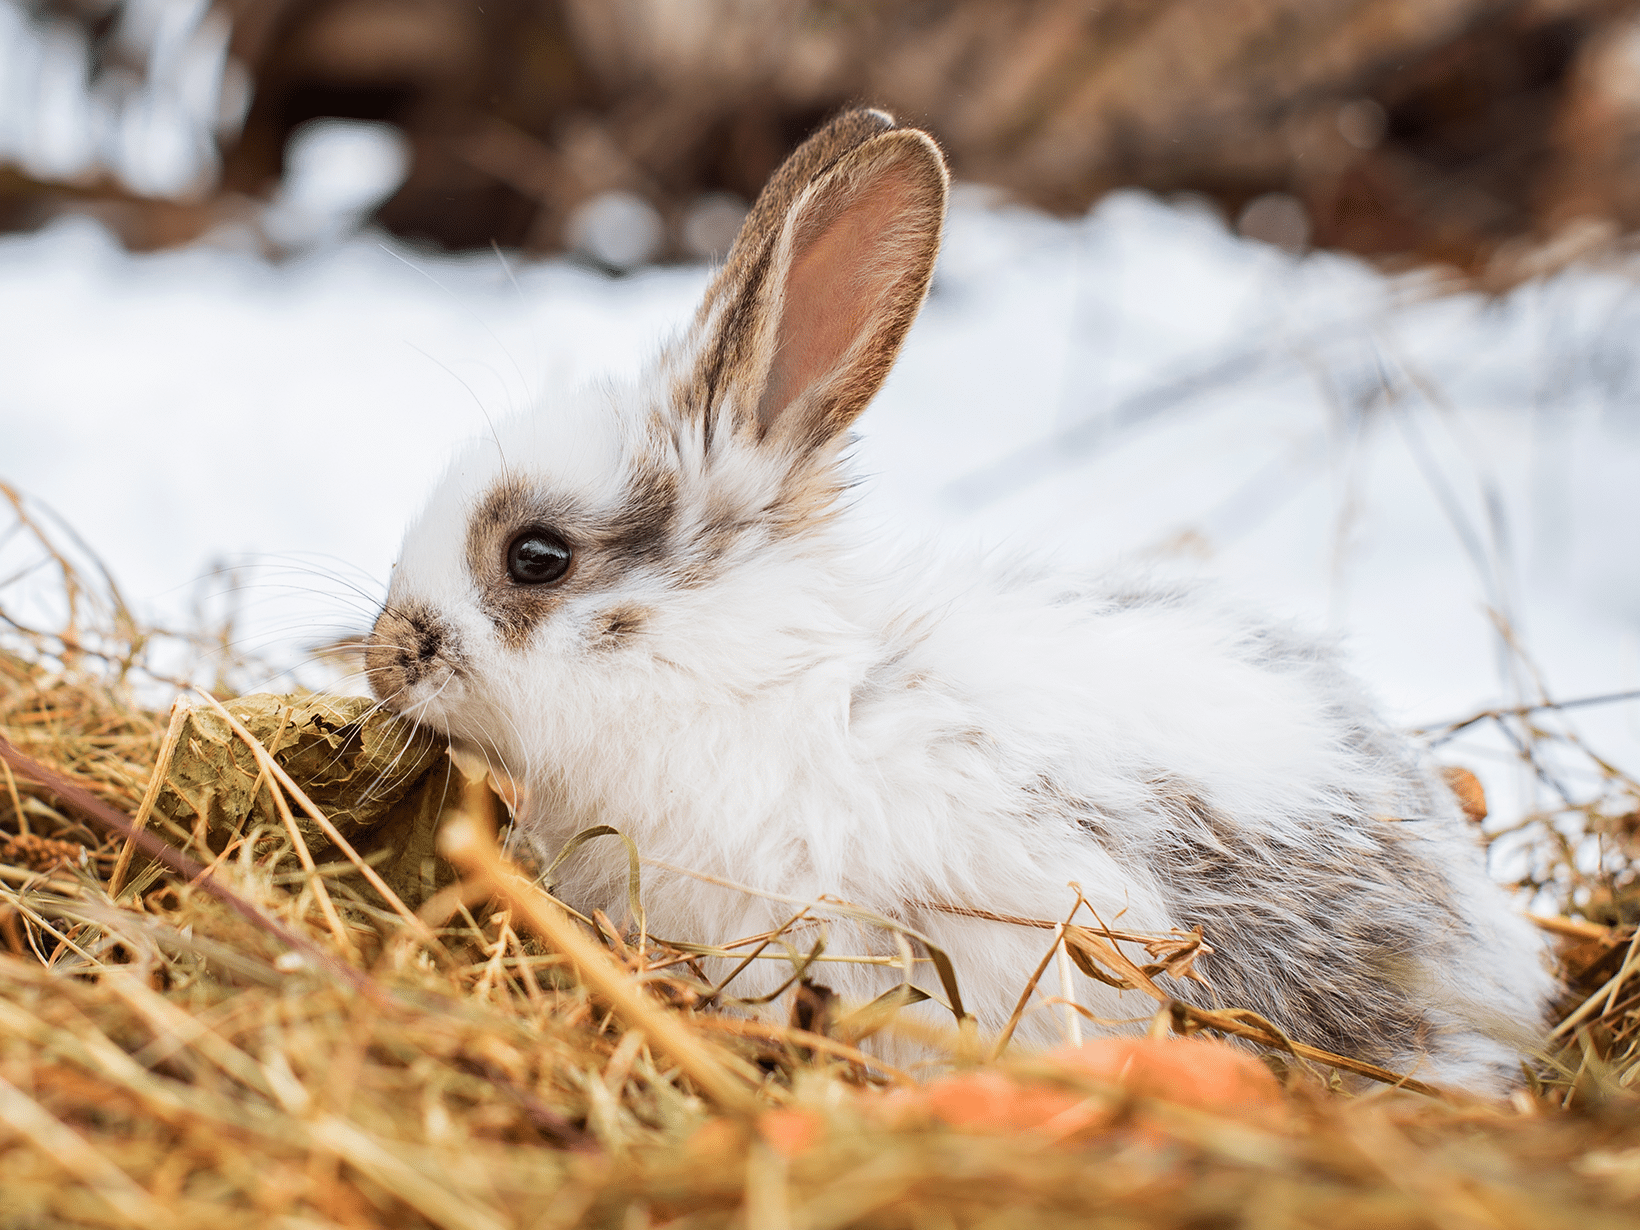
(537, 557)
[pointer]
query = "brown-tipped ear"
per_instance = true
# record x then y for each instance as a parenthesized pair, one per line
(825, 278)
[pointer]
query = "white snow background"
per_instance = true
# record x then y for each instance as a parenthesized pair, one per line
(1378, 462)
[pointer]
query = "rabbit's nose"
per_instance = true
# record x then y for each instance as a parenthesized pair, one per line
(406, 643)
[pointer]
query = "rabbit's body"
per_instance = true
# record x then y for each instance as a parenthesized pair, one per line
(715, 665)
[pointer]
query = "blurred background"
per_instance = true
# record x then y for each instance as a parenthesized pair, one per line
(1336, 301)
(1491, 135)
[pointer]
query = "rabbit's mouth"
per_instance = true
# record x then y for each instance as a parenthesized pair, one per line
(409, 648)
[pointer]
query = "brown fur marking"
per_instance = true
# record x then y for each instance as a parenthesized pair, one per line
(605, 546)
(516, 610)
(402, 647)
(619, 624)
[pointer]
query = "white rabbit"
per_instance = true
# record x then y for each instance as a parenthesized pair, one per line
(644, 602)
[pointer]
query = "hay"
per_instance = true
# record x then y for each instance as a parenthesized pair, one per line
(295, 1012)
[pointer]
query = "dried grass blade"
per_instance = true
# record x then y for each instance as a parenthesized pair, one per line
(315, 881)
(188, 1031)
(746, 961)
(1569, 928)
(1025, 997)
(634, 880)
(1589, 1007)
(16, 798)
(34, 916)
(800, 967)
(1044, 924)
(76, 1155)
(843, 909)
(464, 843)
(1622, 975)
(150, 796)
(869, 1018)
(1067, 989)
(450, 1209)
(1089, 952)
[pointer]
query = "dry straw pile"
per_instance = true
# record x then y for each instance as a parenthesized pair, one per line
(249, 989)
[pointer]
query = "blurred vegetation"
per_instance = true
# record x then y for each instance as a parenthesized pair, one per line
(1499, 136)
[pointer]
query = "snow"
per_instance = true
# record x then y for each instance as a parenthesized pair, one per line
(1353, 451)
(153, 132)
(336, 173)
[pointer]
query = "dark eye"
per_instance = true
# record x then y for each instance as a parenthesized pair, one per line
(537, 557)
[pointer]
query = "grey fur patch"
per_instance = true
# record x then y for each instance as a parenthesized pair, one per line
(881, 680)
(1336, 924)
(1052, 799)
(1326, 937)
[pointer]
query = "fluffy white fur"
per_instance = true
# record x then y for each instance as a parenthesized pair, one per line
(802, 715)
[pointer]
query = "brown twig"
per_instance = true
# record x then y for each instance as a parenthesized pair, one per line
(1244, 1024)
(1443, 731)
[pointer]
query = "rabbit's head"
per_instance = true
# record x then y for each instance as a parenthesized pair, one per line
(641, 550)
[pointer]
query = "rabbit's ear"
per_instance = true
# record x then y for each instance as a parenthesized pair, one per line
(827, 274)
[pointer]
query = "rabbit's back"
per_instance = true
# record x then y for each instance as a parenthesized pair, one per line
(1235, 774)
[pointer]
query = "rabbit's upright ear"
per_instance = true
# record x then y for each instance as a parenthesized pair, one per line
(826, 275)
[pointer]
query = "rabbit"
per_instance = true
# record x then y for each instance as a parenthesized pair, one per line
(647, 601)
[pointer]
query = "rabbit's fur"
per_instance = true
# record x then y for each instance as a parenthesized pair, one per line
(747, 691)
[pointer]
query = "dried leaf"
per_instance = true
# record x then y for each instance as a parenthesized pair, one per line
(1176, 955)
(1105, 961)
(381, 780)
